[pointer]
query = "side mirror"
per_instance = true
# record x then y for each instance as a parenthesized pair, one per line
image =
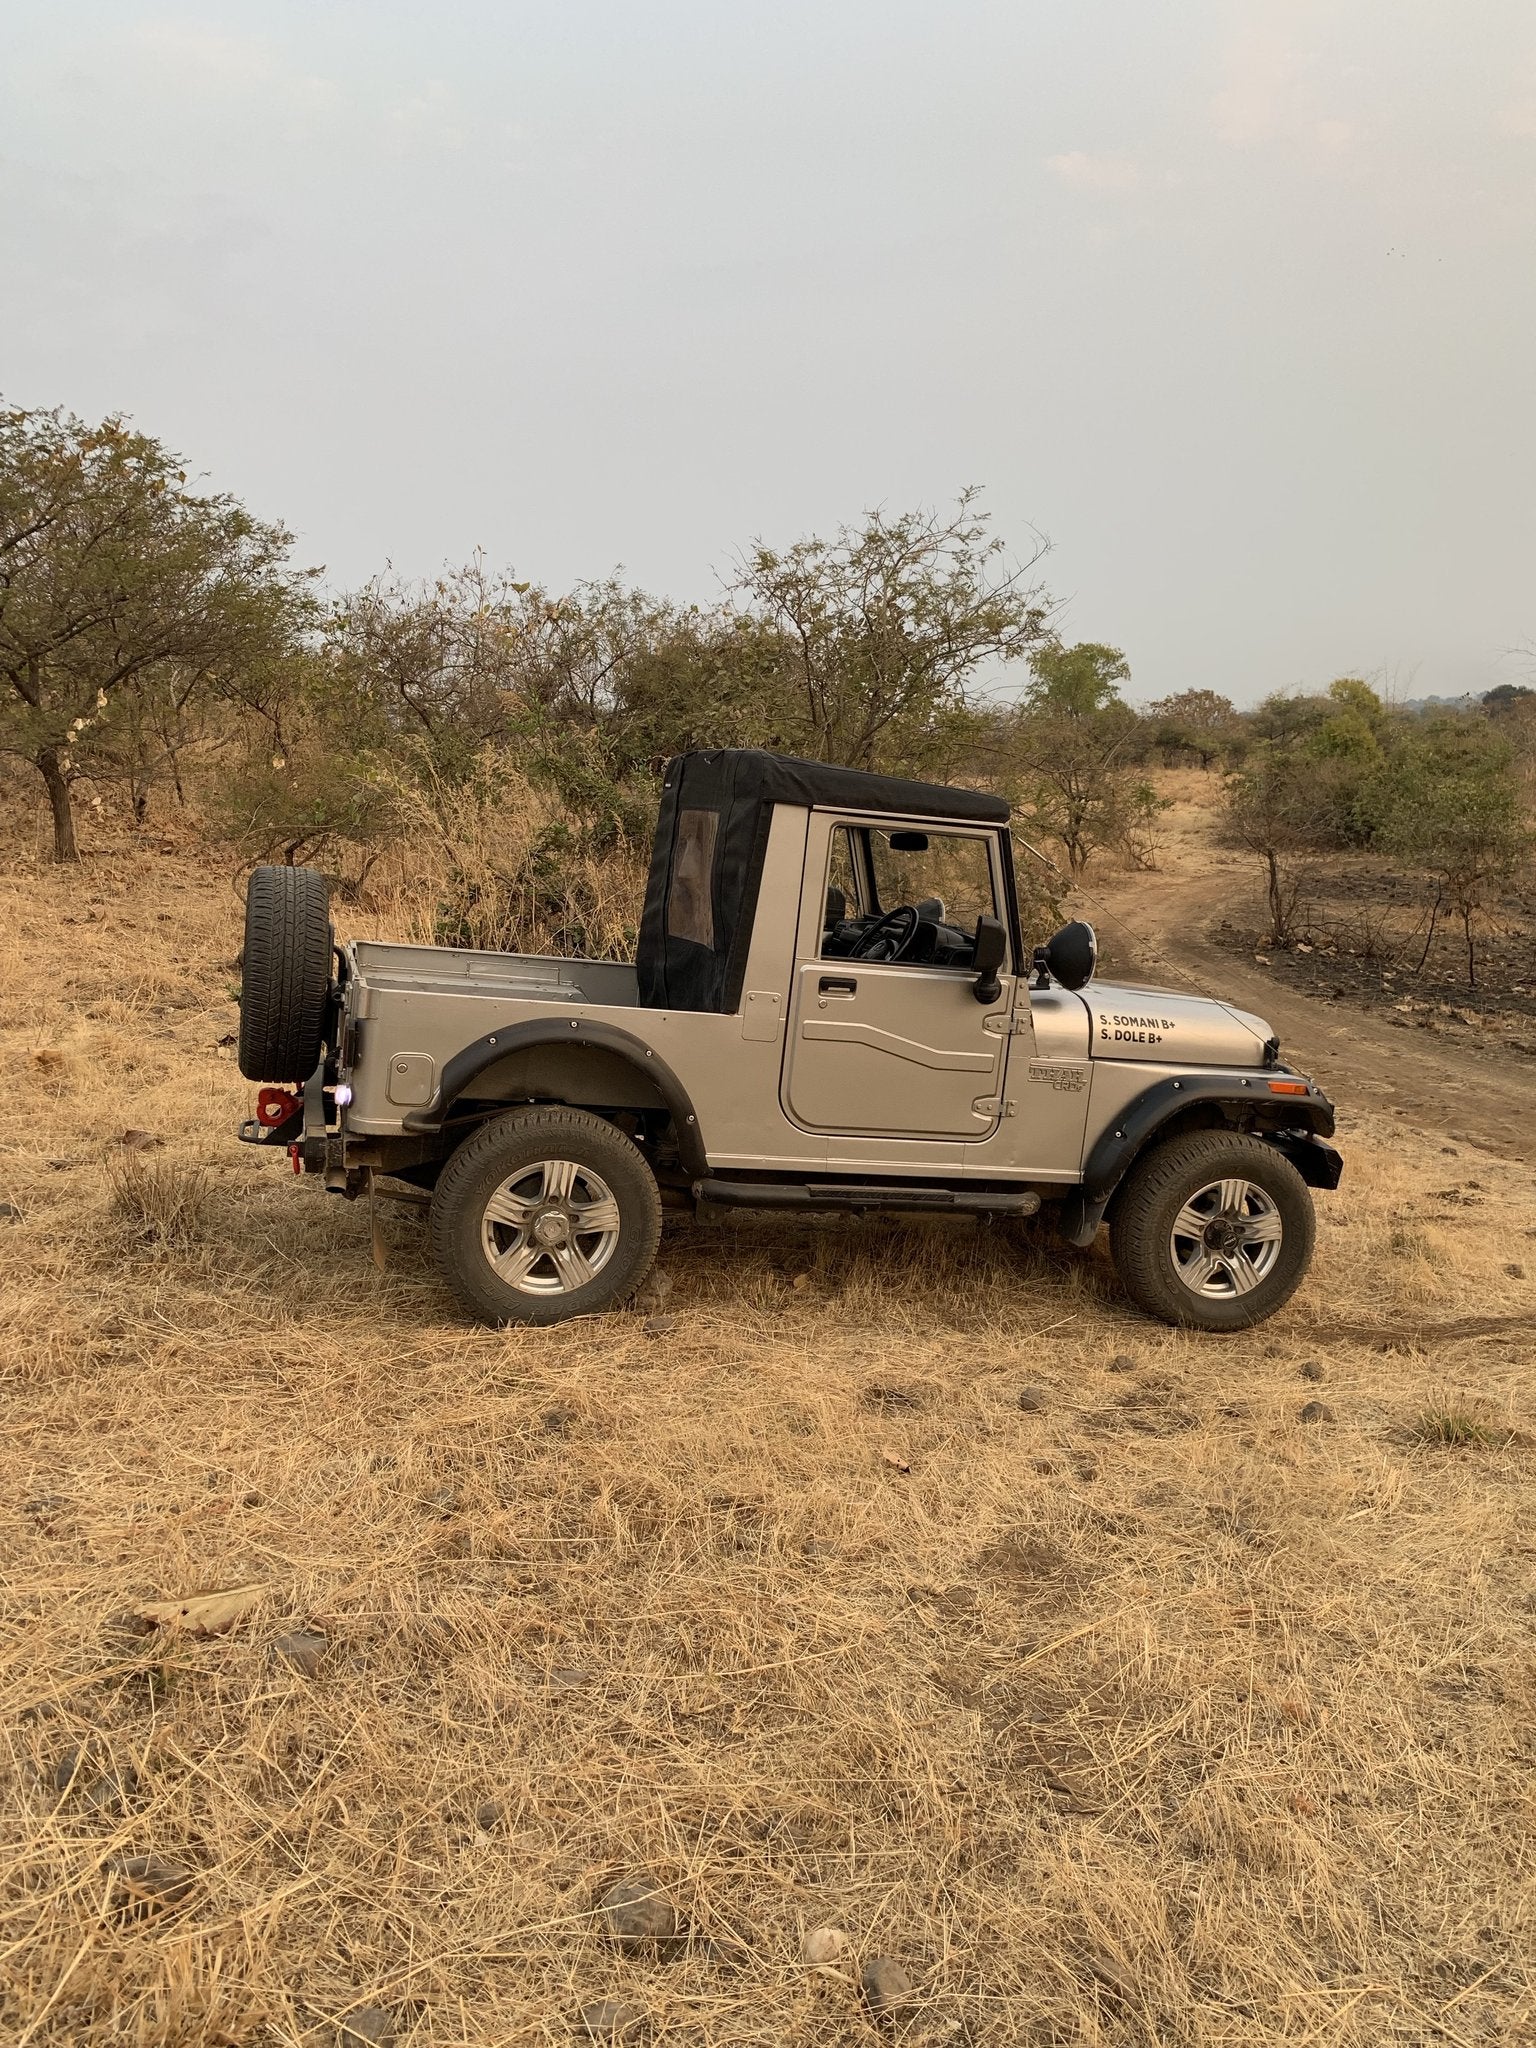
(1072, 955)
(990, 953)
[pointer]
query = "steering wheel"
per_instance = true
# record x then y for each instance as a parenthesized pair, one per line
(893, 929)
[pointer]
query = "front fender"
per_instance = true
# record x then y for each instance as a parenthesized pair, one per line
(1294, 1123)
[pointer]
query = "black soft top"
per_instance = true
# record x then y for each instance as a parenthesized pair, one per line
(748, 774)
(707, 861)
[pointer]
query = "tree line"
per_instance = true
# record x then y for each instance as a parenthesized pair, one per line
(159, 643)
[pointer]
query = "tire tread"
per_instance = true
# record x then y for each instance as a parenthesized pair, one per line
(536, 1133)
(285, 974)
(1136, 1238)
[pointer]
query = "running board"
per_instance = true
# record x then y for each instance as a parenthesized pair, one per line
(831, 1194)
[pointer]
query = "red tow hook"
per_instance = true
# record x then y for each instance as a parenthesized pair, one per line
(294, 1152)
(274, 1106)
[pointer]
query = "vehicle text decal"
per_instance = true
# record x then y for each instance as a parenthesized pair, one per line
(1134, 1030)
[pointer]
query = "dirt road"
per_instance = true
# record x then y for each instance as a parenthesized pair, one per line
(1363, 1060)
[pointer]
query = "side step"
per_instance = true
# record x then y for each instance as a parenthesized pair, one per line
(832, 1194)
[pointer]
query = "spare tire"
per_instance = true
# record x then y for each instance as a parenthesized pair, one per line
(286, 974)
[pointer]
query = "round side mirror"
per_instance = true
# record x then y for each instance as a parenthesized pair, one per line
(1072, 955)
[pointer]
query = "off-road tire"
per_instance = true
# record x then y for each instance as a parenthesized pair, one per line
(1162, 1180)
(523, 1139)
(285, 974)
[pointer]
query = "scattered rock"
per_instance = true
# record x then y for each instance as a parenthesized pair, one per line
(890, 1397)
(1316, 1411)
(655, 1291)
(886, 1986)
(659, 1326)
(371, 2026)
(1515, 1271)
(490, 1814)
(556, 1421)
(303, 1649)
(140, 1141)
(1111, 1973)
(1121, 1362)
(143, 1885)
(9, 1213)
(568, 1678)
(730, 1955)
(609, 2019)
(62, 1165)
(636, 1915)
(1033, 1400)
(115, 1791)
(1314, 1369)
(823, 1947)
(67, 1769)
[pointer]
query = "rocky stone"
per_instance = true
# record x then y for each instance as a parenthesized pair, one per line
(371, 2026)
(146, 1884)
(489, 1814)
(1033, 1400)
(609, 2019)
(1111, 1973)
(9, 1213)
(886, 1986)
(1313, 1369)
(303, 1649)
(1121, 1362)
(1316, 1411)
(1515, 1271)
(659, 1326)
(823, 1947)
(67, 1769)
(115, 1791)
(636, 1915)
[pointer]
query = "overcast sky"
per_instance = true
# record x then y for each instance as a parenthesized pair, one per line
(1234, 300)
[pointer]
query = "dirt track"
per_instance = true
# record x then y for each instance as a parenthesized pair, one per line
(1363, 1060)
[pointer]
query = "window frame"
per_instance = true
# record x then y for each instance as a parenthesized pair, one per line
(862, 863)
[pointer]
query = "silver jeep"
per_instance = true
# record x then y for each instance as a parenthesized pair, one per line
(832, 1006)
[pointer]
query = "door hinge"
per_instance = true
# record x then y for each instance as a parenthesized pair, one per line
(1004, 1024)
(995, 1105)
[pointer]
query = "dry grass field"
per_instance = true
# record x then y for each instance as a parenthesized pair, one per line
(897, 1580)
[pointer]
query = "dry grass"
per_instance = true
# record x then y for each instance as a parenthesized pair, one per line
(1150, 1715)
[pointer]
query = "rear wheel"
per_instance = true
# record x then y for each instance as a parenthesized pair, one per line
(1213, 1230)
(285, 974)
(545, 1214)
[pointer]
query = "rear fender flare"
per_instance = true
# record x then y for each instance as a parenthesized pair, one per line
(465, 1067)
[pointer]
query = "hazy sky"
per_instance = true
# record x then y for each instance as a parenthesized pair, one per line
(1233, 299)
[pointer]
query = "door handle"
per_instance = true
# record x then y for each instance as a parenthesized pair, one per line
(837, 985)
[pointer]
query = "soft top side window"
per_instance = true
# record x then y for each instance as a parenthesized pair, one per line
(908, 894)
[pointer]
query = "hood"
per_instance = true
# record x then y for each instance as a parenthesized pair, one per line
(1164, 1029)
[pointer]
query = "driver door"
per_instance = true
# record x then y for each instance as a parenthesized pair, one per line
(894, 1048)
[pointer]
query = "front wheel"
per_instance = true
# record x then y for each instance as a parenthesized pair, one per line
(1213, 1230)
(545, 1214)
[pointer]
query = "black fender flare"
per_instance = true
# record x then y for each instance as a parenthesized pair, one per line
(1295, 1124)
(475, 1058)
